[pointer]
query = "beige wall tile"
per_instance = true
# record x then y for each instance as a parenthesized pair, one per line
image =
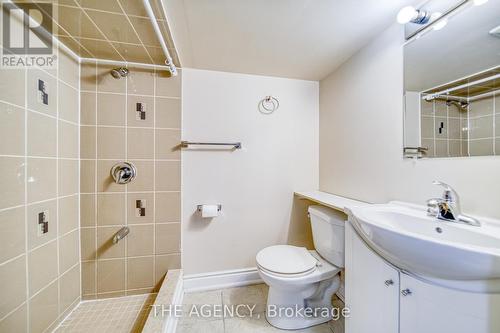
(111, 143)
(140, 143)
(140, 81)
(89, 269)
(481, 127)
(32, 93)
(42, 135)
(168, 144)
(168, 86)
(68, 103)
(441, 148)
(481, 147)
(455, 148)
(16, 321)
(110, 275)
(105, 247)
(44, 308)
(165, 262)
(12, 86)
(133, 216)
(12, 285)
(68, 140)
(168, 238)
(140, 273)
(168, 207)
(11, 181)
(481, 107)
(88, 142)
(454, 129)
(132, 116)
(105, 182)
(69, 251)
(11, 130)
(68, 177)
(144, 180)
(12, 233)
(69, 69)
(34, 239)
(70, 288)
(111, 209)
(88, 243)
(68, 214)
(88, 104)
(41, 179)
(140, 240)
(42, 266)
(87, 210)
(106, 83)
(168, 112)
(168, 176)
(87, 176)
(88, 77)
(111, 109)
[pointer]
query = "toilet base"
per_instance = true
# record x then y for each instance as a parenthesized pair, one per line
(303, 307)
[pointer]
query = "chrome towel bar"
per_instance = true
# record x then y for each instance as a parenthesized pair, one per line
(186, 144)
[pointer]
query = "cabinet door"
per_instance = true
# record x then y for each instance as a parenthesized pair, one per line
(372, 289)
(433, 309)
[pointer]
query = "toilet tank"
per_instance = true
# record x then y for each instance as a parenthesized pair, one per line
(328, 233)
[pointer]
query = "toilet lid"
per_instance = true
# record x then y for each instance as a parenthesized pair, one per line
(286, 259)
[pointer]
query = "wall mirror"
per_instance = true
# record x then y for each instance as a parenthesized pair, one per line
(452, 85)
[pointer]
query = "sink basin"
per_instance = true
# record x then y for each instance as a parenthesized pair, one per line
(450, 254)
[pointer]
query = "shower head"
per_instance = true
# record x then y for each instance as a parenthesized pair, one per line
(120, 72)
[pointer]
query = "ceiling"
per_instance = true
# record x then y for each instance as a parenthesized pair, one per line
(112, 29)
(305, 39)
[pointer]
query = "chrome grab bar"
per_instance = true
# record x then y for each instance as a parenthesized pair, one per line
(186, 144)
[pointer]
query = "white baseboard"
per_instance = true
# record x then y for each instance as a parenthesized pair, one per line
(171, 325)
(221, 279)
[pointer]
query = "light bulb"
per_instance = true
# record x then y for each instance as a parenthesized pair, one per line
(406, 14)
(479, 2)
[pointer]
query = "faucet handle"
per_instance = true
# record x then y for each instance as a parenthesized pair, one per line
(449, 193)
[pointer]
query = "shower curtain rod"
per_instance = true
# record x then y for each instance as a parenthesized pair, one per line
(168, 61)
(465, 85)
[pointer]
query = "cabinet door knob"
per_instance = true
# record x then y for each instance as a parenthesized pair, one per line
(389, 282)
(406, 292)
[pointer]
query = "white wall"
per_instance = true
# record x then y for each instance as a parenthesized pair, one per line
(361, 138)
(254, 185)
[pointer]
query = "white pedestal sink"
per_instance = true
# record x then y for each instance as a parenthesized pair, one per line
(446, 253)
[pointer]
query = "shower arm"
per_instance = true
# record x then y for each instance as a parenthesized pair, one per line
(168, 61)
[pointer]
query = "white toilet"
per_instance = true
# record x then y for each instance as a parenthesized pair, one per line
(300, 279)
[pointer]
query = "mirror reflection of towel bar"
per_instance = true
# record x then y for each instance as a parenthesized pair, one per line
(186, 144)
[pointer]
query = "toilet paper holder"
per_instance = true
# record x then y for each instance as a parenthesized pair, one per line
(200, 207)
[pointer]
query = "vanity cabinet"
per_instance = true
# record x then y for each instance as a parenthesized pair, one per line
(383, 299)
(371, 289)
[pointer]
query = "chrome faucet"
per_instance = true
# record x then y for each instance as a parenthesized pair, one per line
(448, 208)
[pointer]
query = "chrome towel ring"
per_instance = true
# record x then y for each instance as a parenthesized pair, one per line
(269, 104)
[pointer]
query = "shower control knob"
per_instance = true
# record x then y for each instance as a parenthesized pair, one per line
(123, 172)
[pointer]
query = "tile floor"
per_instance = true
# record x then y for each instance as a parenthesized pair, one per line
(256, 294)
(115, 315)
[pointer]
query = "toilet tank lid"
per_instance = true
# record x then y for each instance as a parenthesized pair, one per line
(329, 215)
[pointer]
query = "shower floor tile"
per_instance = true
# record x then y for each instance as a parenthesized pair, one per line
(116, 315)
(252, 295)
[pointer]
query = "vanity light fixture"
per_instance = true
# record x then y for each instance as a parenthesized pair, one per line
(410, 14)
(440, 24)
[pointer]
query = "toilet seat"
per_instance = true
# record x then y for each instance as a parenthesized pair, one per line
(286, 260)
